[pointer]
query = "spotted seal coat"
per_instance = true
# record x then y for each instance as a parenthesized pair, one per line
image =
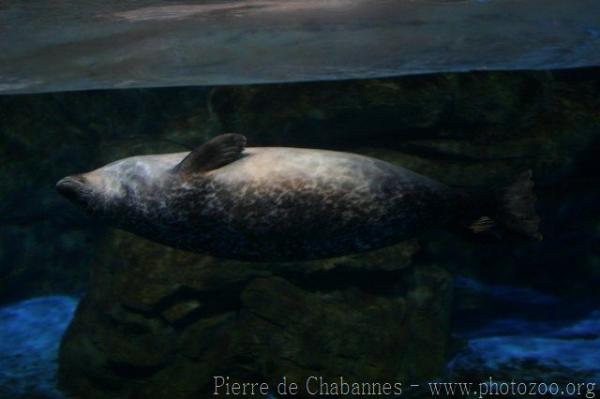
(269, 203)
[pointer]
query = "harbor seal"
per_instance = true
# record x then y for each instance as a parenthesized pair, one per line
(277, 203)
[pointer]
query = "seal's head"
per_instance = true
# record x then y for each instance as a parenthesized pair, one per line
(122, 187)
(142, 193)
(135, 186)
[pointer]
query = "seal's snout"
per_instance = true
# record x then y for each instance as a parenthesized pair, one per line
(71, 187)
(67, 185)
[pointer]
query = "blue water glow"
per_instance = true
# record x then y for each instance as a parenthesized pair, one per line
(30, 334)
(564, 345)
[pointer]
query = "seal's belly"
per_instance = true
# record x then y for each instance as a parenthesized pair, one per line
(293, 204)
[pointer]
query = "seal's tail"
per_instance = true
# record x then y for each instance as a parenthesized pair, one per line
(515, 209)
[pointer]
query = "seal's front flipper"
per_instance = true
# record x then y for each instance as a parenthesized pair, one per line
(511, 210)
(517, 207)
(482, 225)
(217, 152)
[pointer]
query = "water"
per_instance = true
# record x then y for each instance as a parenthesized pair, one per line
(87, 310)
(565, 343)
(30, 335)
(521, 310)
(151, 43)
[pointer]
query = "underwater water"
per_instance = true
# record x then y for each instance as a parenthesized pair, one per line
(564, 344)
(30, 335)
(442, 307)
(483, 114)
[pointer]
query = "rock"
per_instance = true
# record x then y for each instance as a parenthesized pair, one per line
(463, 129)
(161, 323)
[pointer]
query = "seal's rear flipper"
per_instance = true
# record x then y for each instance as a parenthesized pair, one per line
(517, 207)
(213, 154)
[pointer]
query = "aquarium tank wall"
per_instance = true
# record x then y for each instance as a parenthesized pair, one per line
(301, 198)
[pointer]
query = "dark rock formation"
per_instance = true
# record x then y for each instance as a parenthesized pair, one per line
(160, 323)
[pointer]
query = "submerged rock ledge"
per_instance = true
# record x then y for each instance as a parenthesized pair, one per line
(64, 45)
(160, 323)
